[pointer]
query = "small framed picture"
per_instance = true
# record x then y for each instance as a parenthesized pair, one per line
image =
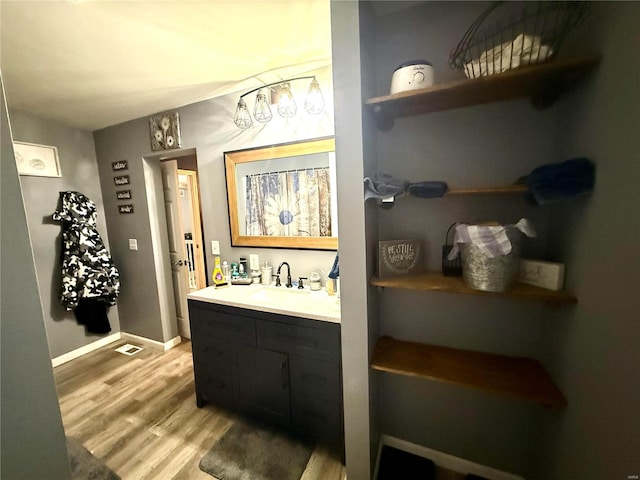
(165, 131)
(121, 180)
(125, 208)
(37, 160)
(123, 194)
(119, 165)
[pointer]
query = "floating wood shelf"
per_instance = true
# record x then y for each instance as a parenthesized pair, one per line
(517, 377)
(508, 189)
(544, 83)
(435, 281)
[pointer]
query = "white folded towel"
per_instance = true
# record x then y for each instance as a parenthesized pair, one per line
(524, 50)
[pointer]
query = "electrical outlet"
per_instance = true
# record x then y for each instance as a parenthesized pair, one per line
(215, 247)
(133, 244)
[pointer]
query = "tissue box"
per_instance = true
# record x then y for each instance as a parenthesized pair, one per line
(543, 274)
(399, 257)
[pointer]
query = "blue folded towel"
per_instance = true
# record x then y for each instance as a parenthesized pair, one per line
(560, 181)
(427, 189)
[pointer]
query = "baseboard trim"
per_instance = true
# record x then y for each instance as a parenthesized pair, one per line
(78, 352)
(147, 342)
(444, 460)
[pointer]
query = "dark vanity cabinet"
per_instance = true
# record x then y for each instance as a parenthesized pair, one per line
(283, 369)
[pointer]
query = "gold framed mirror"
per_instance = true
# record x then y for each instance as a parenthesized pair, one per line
(283, 196)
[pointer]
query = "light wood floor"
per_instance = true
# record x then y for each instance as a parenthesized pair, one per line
(138, 415)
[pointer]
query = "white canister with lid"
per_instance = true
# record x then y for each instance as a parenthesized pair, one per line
(314, 281)
(266, 274)
(412, 75)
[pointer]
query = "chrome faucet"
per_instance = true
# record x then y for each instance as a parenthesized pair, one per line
(288, 284)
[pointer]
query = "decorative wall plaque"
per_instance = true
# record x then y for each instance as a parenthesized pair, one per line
(165, 131)
(125, 208)
(121, 180)
(119, 165)
(399, 257)
(123, 195)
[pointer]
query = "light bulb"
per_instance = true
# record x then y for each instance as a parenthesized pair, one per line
(262, 111)
(314, 104)
(242, 118)
(286, 105)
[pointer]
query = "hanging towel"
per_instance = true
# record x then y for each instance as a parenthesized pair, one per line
(383, 185)
(561, 181)
(491, 240)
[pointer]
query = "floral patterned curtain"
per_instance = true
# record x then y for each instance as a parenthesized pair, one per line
(295, 203)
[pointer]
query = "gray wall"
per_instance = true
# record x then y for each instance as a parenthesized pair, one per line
(496, 144)
(79, 169)
(32, 437)
(594, 353)
(206, 128)
(352, 162)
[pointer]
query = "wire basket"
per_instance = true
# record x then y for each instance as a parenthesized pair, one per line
(509, 35)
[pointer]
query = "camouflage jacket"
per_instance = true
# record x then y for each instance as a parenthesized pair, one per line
(87, 268)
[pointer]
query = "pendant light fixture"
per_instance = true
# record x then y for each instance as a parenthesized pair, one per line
(262, 111)
(314, 103)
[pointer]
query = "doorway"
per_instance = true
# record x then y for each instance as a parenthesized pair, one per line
(184, 226)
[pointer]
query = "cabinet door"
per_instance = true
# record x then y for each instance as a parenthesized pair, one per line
(263, 384)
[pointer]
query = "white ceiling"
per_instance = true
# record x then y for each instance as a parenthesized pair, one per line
(91, 64)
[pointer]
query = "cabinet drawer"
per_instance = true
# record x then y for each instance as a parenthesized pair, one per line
(315, 378)
(309, 342)
(215, 386)
(322, 419)
(223, 326)
(212, 354)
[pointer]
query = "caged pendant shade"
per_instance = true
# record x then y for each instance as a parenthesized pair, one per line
(242, 118)
(315, 102)
(262, 111)
(286, 104)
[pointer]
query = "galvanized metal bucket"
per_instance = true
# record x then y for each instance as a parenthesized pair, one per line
(497, 274)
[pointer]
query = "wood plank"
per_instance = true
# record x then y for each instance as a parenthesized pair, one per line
(516, 377)
(506, 189)
(138, 415)
(436, 282)
(549, 79)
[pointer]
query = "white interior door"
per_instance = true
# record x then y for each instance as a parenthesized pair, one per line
(178, 256)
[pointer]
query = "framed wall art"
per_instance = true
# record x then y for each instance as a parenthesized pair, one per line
(165, 131)
(37, 160)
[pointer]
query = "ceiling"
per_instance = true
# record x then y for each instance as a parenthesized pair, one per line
(91, 64)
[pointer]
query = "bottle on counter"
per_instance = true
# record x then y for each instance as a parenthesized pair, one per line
(314, 281)
(217, 276)
(266, 274)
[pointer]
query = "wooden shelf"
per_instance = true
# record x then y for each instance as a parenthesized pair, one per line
(508, 189)
(544, 83)
(517, 377)
(436, 282)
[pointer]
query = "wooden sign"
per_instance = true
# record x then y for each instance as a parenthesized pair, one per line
(399, 257)
(119, 165)
(125, 208)
(121, 180)
(123, 194)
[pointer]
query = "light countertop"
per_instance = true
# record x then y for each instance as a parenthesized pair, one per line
(316, 305)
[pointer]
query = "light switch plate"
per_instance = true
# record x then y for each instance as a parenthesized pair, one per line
(133, 244)
(215, 247)
(254, 261)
